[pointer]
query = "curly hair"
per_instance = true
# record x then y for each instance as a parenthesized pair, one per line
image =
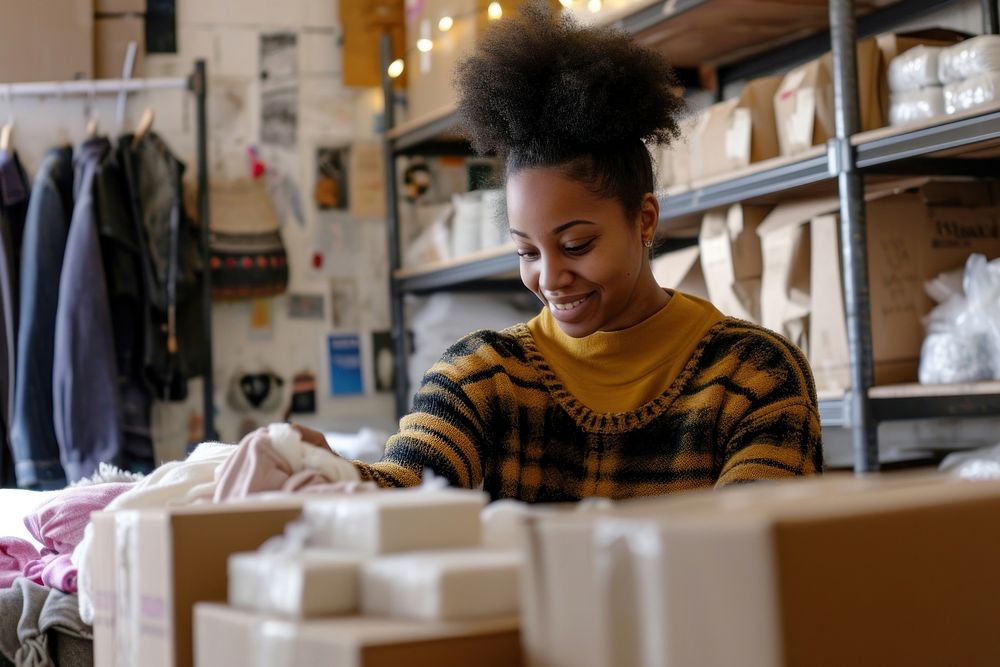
(541, 91)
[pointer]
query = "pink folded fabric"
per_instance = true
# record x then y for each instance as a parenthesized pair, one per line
(15, 555)
(58, 524)
(60, 573)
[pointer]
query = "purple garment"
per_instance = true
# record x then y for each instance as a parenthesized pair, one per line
(85, 400)
(58, 524)
(15, 555)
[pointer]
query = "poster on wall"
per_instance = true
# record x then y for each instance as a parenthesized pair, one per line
(305, 306)
(383, 362)
(344, 304)
(367, 180)
(344, 352)
(331, 191)
(279, 89)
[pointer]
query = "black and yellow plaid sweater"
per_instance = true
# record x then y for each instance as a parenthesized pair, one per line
(492, 411)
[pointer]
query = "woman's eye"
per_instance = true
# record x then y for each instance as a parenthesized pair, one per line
(579, 248)
(527, 254)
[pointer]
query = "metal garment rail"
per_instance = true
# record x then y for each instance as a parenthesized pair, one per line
(197, 84)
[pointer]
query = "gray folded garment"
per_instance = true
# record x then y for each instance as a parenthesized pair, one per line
(32, 616)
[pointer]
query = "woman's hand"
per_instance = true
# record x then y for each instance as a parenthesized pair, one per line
(311, 437)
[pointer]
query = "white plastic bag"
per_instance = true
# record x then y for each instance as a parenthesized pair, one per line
(972, 93)
(963, 331)
(969, 58)
(914, 69)
(916, 105)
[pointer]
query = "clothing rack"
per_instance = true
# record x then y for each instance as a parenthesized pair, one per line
(197, 84)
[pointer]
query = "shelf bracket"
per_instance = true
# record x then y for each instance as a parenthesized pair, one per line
(840, 156)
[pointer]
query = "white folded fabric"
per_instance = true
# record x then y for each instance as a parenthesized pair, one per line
(442, 585)
(916, 105)
(969, 58)
(397, 520)
(305, 584)
(972, 93)
(914, 69)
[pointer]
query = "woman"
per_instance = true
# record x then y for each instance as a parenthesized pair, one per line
(618, 388)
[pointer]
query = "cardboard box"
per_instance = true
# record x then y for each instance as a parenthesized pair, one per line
(227, 637)
(803, 103)
(784, 288)
(120, 6)
(675, 160)
(46, 41)
(736, 133)
(766, 575)
(111, 40)
(731, 259)
(681, 270)
(159, 563)
(916, 229)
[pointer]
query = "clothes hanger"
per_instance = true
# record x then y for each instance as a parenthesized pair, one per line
(145, 124)
(8, 129)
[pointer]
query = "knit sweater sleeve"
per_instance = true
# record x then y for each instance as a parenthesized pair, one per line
(446, 430)
(778, 433)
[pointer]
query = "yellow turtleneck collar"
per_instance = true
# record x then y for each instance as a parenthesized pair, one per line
(620, 371)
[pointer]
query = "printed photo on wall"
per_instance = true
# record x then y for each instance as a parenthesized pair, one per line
(383, 361)
(279, 90)
(331, 178)
(305, 306)
(344, 304)
(344, 351)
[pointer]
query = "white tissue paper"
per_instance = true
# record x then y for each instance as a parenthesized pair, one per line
(445, 585)
(306, 584)
(397, 520)
(972, 93)
(914, 69)
(916, 105)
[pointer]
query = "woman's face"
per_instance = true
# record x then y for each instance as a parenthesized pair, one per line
(580, 254)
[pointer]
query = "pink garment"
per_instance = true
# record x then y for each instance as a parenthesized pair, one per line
(58, 524)
(256, 466)
(60, 573)
(15, 555)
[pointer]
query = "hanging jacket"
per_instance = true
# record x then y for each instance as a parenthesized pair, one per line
(14, 190)
(86, 410)
(36, 450)
(172, 268)
(121, 252)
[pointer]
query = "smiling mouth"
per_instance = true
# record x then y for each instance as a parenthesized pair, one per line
(572, 305)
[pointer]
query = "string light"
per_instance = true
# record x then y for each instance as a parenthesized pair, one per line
(594, 5)
(424, 45)
(445, 24)
(395, 68)
(494, 11)
(566, 3)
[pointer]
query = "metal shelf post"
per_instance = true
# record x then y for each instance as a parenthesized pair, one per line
(853, 236)
(398, 330)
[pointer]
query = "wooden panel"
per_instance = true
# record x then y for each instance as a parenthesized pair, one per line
(360, 43)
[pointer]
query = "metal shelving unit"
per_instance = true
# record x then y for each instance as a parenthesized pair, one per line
(838, 169)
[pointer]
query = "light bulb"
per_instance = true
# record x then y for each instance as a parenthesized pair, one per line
(494, 11)
(445, 24)
(566, 3)
(395, 68)
(424, 45)
(594, 5)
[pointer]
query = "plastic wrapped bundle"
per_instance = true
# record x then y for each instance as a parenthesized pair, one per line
(914, 69)
(916, 105)
(972, 93)
(969, 58)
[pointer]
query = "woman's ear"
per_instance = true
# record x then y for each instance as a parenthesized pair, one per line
(649, 216)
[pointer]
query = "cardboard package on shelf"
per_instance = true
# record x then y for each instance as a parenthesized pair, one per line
(803, 103)
(766, 575)
(731, 259)
(916, 229)
(681, 270)
(227, 637)
(733, 134)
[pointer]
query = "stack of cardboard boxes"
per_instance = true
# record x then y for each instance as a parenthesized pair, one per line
(62, 40)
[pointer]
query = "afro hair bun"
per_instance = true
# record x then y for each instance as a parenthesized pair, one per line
(540, 84)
